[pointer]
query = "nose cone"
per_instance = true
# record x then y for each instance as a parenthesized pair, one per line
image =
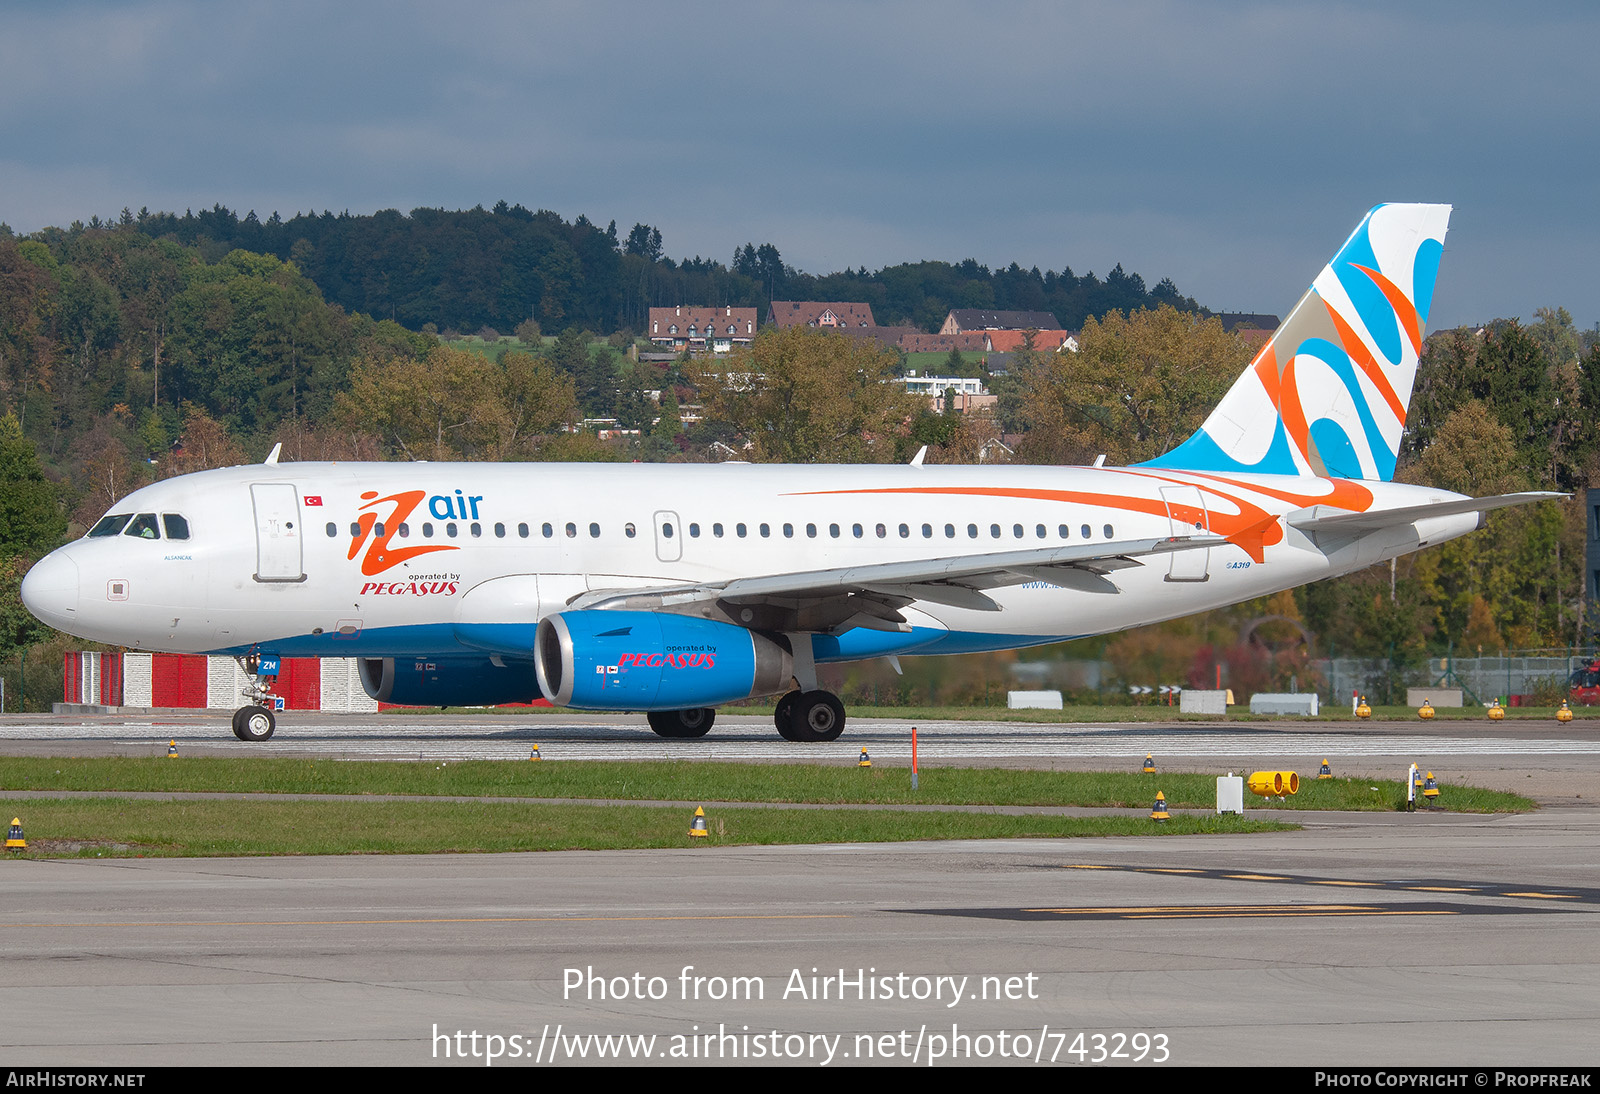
(50, 590)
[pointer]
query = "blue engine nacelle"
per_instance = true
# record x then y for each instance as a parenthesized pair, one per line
(448, 681)
(605, 660)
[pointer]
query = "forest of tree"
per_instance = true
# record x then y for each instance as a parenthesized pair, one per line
(463, 270)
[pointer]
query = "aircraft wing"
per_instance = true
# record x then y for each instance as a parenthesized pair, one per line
(865, 594)
(1326, 518)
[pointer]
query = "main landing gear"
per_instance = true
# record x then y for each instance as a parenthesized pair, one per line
(695, 722)
(255, 722)
(809, 716)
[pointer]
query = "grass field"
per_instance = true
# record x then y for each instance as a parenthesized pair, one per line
(119, 827)
(267, 823)
(696, 782)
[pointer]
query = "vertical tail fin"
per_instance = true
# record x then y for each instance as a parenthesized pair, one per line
(1327, 395)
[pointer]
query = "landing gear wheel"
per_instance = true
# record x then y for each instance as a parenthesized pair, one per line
(680, 724)
(818, 716)
(783, 716)
(253, 723)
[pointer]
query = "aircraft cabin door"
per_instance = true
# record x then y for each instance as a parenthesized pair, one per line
(1186, 510)
(669, 536)
(279, 535)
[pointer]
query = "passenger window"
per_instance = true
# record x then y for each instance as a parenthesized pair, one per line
(629, 530)
(739, 530)
(905, 531)
(811, 531)
(110, 526)
(377, 528)
(994, 531)
(475, 528)
(1085, 531)
(522, 530)
(949, 531)
(716, 530)
(499, 530)
(547, 530)
(694, 531)
(788, 531)
(1066, 533)
(427, 530)
(333, 530)
(176, 526)
(143, 526)
(666, 529)
(594, 531)
(1016, 531)
(1109, 531)
(450, 530)
(833, 530)
(882, 531)
(855, 530)
(404, 530)
(355, 529)
(927, 531)
(572, 530)
(766, 531)
(1041, 532)
(972, 531)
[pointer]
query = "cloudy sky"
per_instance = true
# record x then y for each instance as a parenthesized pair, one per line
(1230, 147)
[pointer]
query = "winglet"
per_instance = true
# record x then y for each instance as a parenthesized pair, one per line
(916, 461)
(272, 457)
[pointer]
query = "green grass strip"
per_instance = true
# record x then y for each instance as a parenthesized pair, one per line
(839, 784)
(124, 828)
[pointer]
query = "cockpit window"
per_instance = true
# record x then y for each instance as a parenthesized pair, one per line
(143, 526)
(110, 525)
(177, 527)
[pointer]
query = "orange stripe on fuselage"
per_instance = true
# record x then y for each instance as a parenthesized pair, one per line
(1253, 524)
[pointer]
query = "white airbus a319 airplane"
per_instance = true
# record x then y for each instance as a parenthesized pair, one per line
(672, 588)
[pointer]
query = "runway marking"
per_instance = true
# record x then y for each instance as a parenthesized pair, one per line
(1445, 888)
(1423, 885)
(448, 919)
(1138, 912)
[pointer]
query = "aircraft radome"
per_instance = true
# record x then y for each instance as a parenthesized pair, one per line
(671, 588)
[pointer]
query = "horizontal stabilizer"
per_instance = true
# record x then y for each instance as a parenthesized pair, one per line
(1326, 518)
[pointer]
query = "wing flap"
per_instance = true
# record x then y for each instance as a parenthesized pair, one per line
(943, 580)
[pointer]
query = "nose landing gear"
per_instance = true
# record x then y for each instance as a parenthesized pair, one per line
(253, 723)
(256, 721)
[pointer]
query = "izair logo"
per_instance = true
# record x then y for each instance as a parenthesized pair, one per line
(392, 511)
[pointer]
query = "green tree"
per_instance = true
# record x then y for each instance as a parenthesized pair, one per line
(1137, 387)
(31, 518)
(445, 406)
(809, 396)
